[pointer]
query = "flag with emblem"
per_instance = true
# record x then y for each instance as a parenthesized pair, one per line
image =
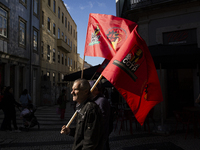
(106, 34)
(133, 73)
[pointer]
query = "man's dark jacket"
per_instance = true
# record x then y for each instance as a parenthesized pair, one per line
(88, 130)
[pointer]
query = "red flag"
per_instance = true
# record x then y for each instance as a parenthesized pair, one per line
(106, 34)
(133, 73)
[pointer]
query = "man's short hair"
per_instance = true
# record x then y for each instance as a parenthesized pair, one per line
(84, 84)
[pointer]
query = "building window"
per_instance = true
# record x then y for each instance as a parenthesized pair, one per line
(65, 38)
(71, 29)
(54, 28)
(42, 49)
(23, 2)
(71, 62)
(58, 77)
(54, 78)
(54, 55)
(68, 61)
(59, 12)
(48, 76)
(74, 65)
(65, 60)
(35, 40)
(71, 45)
(49, 3)
(3, 22)
(62, 59)
(35, 7)
(68, 41)
(68, 25)
(48, 52)
(58, 57)
(65, 22)
(54, 6)
(58, 33)
(74, 34)
(62, 35)
(22, 32)
(48, 23)
(62, 18)
(42, 18)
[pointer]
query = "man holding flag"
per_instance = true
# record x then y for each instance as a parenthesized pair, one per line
(131, 68)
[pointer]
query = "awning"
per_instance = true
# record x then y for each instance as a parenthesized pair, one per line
(89, 73)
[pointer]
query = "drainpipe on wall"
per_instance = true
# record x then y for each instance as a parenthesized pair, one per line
(30, 59)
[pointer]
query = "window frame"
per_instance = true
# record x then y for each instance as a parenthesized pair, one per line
(68, 25)
(21, 20)
(58, 56)
(62, 59)
(54, 29)
(65, 22)
(48, 52)
(37, 31)
(23, 2)
(54, 6)
(7, 22)
(49, 24)
(59, 12)
(36, 13)
(65, 60)
(62, 17)
(49, 3)
(54, 55)
(58, 33)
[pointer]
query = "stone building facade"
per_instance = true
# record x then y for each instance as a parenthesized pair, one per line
(19, 47)
(58, 49)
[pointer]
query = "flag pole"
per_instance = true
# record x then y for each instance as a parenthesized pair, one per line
(74, 115)
(83, 66)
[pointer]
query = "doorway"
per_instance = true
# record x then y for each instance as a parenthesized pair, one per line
(180, 89)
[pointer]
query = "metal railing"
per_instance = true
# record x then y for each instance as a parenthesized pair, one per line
(135, 4)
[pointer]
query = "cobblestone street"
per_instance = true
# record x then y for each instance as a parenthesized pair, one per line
(49, 137)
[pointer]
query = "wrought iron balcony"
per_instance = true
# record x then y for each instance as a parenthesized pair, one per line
(63, 46)
(138, 4)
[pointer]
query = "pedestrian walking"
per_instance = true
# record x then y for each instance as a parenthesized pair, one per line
(88, 131)
(62, 100)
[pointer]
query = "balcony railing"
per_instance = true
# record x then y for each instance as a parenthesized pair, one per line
(136, 4)
(63, 46)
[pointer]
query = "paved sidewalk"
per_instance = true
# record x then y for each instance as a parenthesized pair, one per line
(49, 137)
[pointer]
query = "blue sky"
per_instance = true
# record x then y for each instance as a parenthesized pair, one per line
(80, 10)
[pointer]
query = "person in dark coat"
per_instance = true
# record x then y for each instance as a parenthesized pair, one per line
(1, 106)
(87, 133)
(62, 104)
(9, 105)
(104, 105)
